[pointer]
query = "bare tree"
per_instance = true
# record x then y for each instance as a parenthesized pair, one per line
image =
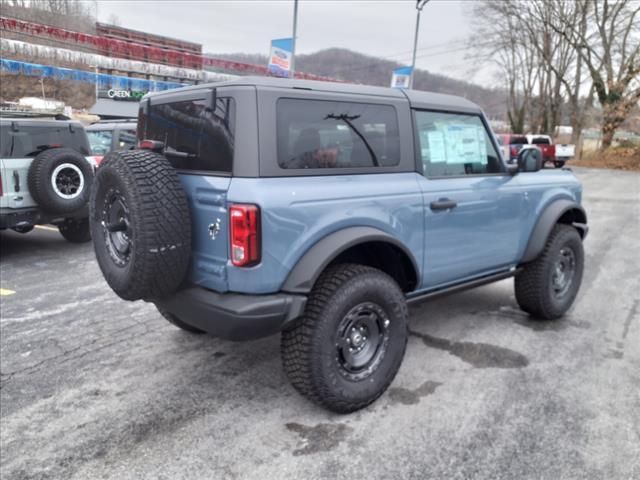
(499, 39)
(608, 42)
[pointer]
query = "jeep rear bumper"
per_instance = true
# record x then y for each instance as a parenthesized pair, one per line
(23, 217)
(234, 316)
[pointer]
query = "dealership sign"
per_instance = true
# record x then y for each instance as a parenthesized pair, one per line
(127, 95)
(280, 57)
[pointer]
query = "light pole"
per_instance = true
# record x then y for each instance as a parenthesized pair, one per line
(419, 5)
(293, 39)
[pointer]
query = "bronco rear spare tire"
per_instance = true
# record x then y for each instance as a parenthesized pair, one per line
(140, 225)
(59, 180)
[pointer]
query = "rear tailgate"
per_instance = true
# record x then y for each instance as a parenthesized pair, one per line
(15, 189)
(565, 151)
(209, 230)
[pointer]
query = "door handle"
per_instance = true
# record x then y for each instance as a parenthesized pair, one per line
(443, 204)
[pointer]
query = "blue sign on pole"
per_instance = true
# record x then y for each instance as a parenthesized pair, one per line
(280, 57)
(400, 77)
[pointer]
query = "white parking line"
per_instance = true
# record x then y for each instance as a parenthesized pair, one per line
(6, 292)
(44, 227)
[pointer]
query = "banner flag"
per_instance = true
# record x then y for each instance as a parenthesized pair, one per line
(400, 77)
(280, 57)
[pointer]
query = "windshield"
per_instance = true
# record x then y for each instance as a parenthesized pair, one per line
(100, 141)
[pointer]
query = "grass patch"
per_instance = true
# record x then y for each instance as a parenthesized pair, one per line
(618, 158)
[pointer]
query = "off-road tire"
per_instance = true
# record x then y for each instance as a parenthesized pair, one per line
(308, 346)
(23, 229)
(158, 219)
(43, 170)
(533, 285)
(171, 318)
(75, 230)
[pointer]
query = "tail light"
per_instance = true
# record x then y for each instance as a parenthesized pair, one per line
(1, 192)
(244, 221)
(514, 151)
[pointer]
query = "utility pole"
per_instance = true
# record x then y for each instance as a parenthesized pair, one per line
(419, 5)
(293, 39)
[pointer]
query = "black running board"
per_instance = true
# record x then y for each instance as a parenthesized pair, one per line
(476, 282)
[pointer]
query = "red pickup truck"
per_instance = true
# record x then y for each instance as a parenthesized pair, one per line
(545, 144)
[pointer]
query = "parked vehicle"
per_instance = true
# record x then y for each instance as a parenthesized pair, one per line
(511, 145)
(564, 153)
(45, 176)
(111, 136)
(321, 210)
(546, 146)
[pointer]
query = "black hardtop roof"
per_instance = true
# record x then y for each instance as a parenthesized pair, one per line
(39, 121)
(417, 99)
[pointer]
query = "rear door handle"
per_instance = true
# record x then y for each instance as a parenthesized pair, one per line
(443, 204)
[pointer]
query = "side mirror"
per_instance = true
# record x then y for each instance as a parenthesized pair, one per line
(529, 159)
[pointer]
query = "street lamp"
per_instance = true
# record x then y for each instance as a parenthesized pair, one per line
(419, 5)
(293, 39)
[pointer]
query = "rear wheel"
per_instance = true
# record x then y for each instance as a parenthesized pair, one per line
(23, 228)
(547, 287)
(558, 163)
(75, 230)
(348, 346)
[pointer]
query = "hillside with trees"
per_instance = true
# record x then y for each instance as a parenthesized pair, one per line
(355, 67)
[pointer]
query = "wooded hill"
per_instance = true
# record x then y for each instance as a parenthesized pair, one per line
(355, 67)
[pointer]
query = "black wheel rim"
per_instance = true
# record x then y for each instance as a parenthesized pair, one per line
(361, 341)
(117, 227)
(563, 272)
(68, 181)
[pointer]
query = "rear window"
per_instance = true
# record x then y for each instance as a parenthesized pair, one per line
(29, 140)
(540, 141)
(519, 140)
(204, 138)
(327, 134)
(100, 141)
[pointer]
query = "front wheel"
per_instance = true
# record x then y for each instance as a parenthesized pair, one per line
(547, 287)
(348, 346)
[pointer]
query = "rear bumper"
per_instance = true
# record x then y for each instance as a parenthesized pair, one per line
(11, 217)
(23, 217)
(234, 316)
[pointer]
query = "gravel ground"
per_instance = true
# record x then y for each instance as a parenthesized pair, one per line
(94, 387)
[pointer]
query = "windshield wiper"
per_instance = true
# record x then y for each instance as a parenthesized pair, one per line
(178, 153)
(347, 119)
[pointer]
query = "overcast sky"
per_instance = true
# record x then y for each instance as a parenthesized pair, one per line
(380, 28)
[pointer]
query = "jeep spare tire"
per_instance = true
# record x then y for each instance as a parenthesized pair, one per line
(60, 180)
(140, 224)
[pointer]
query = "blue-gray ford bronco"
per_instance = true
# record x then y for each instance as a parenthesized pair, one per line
(320, 211)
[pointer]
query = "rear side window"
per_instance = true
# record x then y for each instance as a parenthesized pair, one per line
(204, 139)
(455, 144)
(519, 140)
(328, 134)
(29, 140)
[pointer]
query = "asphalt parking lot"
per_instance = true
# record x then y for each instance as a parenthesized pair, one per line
(95, 387)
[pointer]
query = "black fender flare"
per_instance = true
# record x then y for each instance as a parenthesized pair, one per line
(309, 267)
(548, 219)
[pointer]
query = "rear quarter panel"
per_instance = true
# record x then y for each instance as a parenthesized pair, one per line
(297, 213)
